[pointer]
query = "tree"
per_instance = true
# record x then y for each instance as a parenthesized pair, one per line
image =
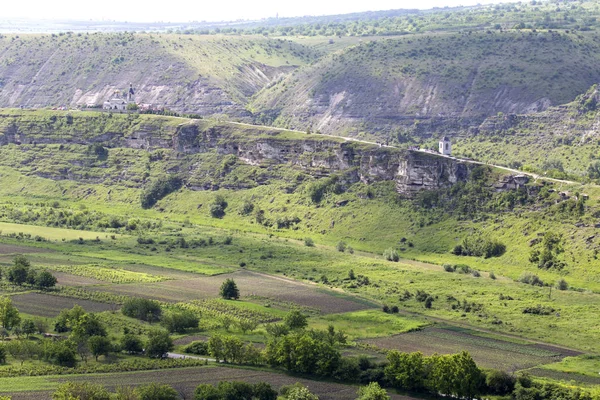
(218, 206)
(9, 315)
(297, 392)
(156, 391)
(405, 371)
(159, 343)
(45, 280)
(2, 353)
(99, 346)
(295, 320)
(89, 325)
(80, 391)
(229, 290)
(19, 272)
(372, 392)
(28, 327)
(247, 325)
(131, 343)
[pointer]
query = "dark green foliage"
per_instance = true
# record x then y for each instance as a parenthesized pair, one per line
(28, 327)
(45, 280)
(479, 246)
(131, 343)
(61, 353)
(68, 319)
(156, 391)
(538, 310)
(160, 188)
(218, 206)
(295, 320)
(143, 309)
(246, 208)
(593, 171)
(547, 256)
(308, 242)
(526, 389)
(179, 321)
(227, 390)
(99, 346)
(531, 279)
(229, 290)
(89, 325)
(159, 343)
(318, 188)
(341, 246)
(20, 273)
(2, 353)
(199, 348)
(499, 382)
(406, 370)
(98, 151)
(561, 284)
(81, 391)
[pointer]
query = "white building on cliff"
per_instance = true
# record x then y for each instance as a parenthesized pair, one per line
(445, 146)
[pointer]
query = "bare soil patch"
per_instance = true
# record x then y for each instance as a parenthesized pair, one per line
(66, 279)
(15, 249)
(46, 305)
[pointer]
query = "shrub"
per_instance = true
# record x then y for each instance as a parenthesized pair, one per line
(159, 343)
(143, 309)
(45, 280)
(160, 188)
(499, 382)
(538, 310)
(83, 390)
(131, 344)
(341, 246)
(218, 206)
(308, 242)
(561, 284)
(156, 391)
(448, 268)
(475, 273)
(531, 279)
(479, 246)
(391, 255)
(492, 275)
(295, 320)
(246, 208)
(199, 347)
(180, 321)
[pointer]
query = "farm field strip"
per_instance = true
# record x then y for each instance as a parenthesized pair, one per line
(45, 305)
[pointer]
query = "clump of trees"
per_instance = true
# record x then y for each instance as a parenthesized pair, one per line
(218, 206)
(479, 246)
(21, 273)
(160, 188)
(547, 256)
(143, 309)
(391, 255)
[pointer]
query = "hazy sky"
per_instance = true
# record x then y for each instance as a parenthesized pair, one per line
(199, 10)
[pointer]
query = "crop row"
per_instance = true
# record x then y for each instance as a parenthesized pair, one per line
(108, 274)
(215, 309)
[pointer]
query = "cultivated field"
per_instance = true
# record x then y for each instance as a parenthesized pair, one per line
(487, 352)
(45, 305)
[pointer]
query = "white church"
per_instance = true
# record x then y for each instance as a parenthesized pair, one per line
(119, 103)
(445, 146)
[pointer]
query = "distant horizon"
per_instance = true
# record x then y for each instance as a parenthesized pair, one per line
(182, 12)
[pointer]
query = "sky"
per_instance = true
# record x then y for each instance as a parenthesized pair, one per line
(203, 10)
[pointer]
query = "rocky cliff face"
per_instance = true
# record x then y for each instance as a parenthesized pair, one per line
(257, 146)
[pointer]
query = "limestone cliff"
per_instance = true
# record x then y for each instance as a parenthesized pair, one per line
(316, 155)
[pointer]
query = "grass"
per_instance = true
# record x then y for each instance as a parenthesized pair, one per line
(368, 324)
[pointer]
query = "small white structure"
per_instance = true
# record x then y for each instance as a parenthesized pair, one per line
(445, 146)
(115, 104)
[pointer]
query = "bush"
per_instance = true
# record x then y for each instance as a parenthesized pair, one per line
(160, 188)
(246, 208)
(538, 310)
(295, 320)
(341, 246)
(561, 284)
(143, 309)
(199, 348)
(391, 255)
(448, 268)
(45, 280)
(479, 246)
(308, 242)
(159, 343)
(131, 344)
(492, 275)
(156, 391)
(531, 279)
(180, 321)
(218, 206)
(83, 390)
(499, 382)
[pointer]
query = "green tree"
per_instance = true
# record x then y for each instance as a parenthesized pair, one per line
(19, 272)
(218, 206)
(295, 320)
(372, 392)
(405, 370)
(99, 346)
(45, 280)
(229, 290)
(80, 391)
(9, 315)
(131, 343)
(297, 392)
(2, 353)
(28, 327)
(89, 325)
(156, 391)
(159, 343)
